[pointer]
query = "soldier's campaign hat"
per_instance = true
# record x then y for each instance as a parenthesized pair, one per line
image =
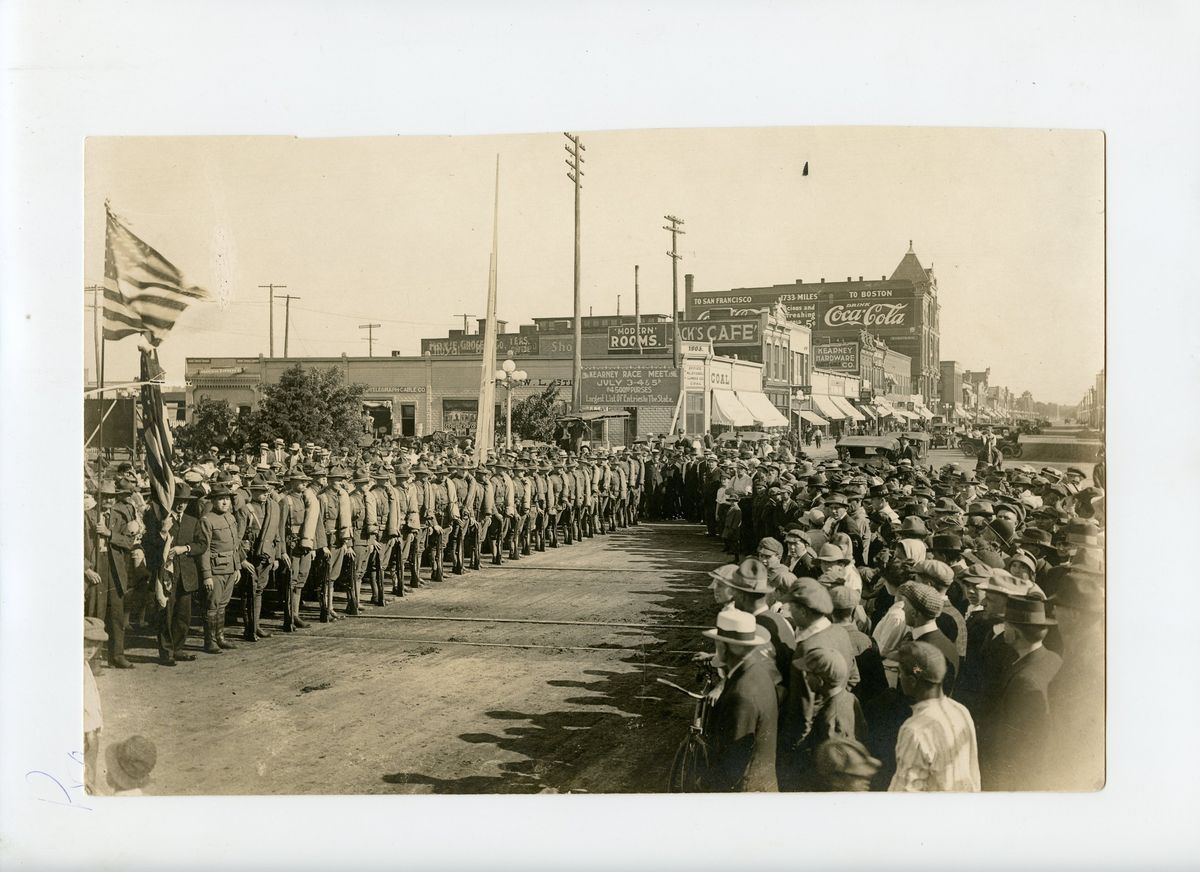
(382, 473)
(403, 471)
(338, 472)
(298, 474)
(422, 469)
(219, 490)
(361, 475)
(258, 483)
(735, 627)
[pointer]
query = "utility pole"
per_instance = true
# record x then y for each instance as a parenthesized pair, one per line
(618, 305)
(287, 318)
(676, 223)
(370, 328)
(95, 306)
(575, 150)
(466, 322)
(637, 311)
(270, 289)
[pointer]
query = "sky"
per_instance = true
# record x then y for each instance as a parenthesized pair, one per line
(397, 231)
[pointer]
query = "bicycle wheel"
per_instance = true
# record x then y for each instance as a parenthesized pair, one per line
(689, 765)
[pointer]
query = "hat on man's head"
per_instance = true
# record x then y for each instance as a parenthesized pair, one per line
(937, 573)
(735, 627)
(993, 559)
(1004, 582)
(832, 553)
(946, 542)
(1035, 536)
(1027, 611)
(922, 661)
(844, 598)
(827, 664)
(975, 574)
(1004, 529)
(811, 594)
(912, 527)
(751, 577)
(1081, 591)
(927, 600)
(771, 545)
(131, 762)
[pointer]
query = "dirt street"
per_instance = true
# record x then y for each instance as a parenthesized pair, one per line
(480, 684)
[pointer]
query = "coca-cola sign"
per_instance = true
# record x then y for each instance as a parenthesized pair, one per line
(865, 315)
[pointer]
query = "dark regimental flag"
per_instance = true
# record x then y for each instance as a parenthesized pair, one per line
(159, 448)
(143, 291)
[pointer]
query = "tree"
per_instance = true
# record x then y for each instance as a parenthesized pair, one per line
(536, 417)
(311, 405)
(214, 423)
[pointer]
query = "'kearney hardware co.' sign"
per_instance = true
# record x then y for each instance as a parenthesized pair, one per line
(836, 356)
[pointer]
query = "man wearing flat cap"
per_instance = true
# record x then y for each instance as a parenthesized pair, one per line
(922, 606)
(936, 749)
(742, 727)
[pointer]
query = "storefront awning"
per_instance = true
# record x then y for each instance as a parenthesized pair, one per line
(849, 410)
(812, 418)
(762, 409)
(906, 415)
(866, 409)
(728, 411)
(825, 405)
(923, 412)
(885, 409)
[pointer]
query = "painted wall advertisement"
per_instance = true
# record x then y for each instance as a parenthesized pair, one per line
(648, 385)
(624, 339)
(507, 345)
(869, 308)
(740, 332)
(836, 356)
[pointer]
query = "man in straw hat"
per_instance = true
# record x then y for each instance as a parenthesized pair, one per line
(1014, 738)
(751, 588)
(936, 749)
(128, 765)
(741, 730)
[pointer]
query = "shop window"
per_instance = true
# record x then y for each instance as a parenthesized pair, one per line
(694, 412)
(408, 419)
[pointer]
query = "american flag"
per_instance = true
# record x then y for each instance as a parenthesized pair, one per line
(143, 291)
(159, 448)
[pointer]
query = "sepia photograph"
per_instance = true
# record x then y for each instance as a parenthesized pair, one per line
(612, 462)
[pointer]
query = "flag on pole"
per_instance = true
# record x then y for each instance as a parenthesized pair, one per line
(157, 435)
(485, 423)
(143, 291)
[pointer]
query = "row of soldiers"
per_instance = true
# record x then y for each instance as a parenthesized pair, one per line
(310, 528)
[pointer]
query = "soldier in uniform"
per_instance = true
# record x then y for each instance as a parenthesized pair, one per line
(409, 524)
(303, 518)
(444, 519)
(553, 474)
(217, 553)
(420, 519)
(339, 537)
(499, 506)
(566, 502)
(523, 501)
(262, 544)
(484, 501)
(365, 514)
(125, 531)
(637, 471)
(387, 506)
(537, 525)
(581, 512)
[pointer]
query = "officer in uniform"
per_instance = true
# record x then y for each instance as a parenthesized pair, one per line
(581, 511)
(500, 508)
(566, 501)
(217, 553)
(387, 506)
(484, 501)
(523, 501)
(553, 475)
(463, 487)
(339, 537)
(262, 543)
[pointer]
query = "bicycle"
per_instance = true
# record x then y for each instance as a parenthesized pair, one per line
(690, 763)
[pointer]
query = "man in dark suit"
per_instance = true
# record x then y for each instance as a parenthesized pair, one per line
(741, 730)
(1013, 741)
(922, 605)
(751, 586)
